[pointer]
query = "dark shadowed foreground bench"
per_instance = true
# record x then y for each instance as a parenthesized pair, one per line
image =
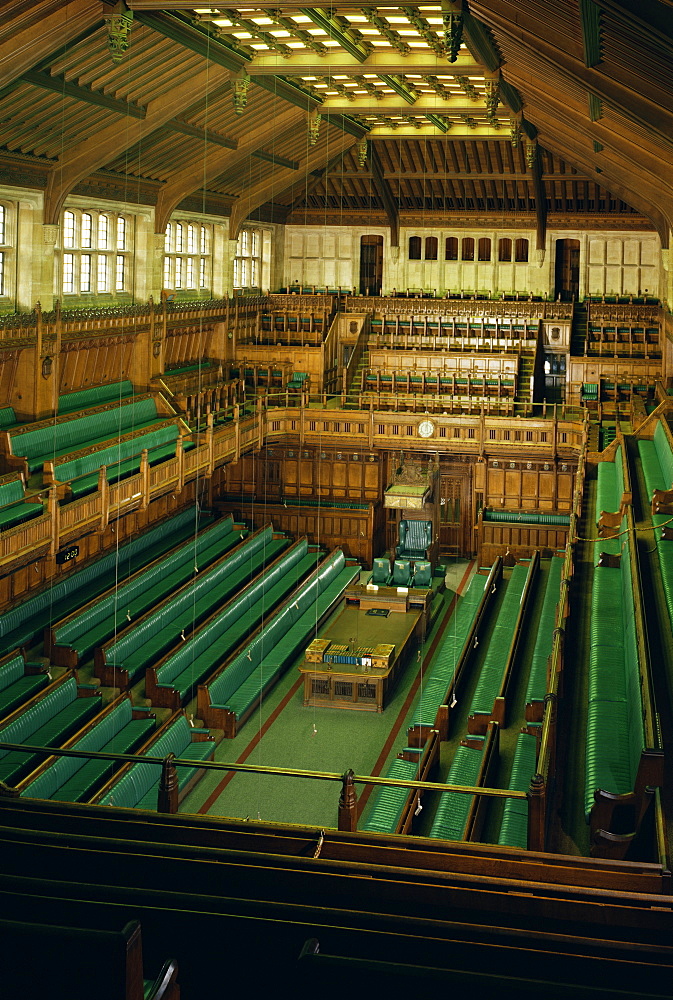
(77, 963)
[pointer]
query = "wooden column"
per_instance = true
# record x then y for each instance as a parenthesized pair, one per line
(348, 805)
(167, 801)
(536, 813)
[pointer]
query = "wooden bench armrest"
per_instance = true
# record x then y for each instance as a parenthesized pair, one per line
(165, 986)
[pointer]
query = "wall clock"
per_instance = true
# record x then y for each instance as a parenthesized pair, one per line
(426, 429)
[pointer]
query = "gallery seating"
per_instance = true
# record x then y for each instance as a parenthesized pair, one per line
(120, 728)
(46, 720)
(73, 639)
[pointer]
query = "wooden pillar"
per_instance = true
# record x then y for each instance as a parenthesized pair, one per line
(536, 813)
(54, 510)
(180, 455)
(348, 805)
(104, 490)
(145, 479)
(167, 801)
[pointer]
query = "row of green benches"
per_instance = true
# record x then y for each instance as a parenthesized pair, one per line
(136, 786)
(19, 681)
(177, 619)
(615, 735)
(537, 687)
(122, 459)
(26, 621)
(46, 721)
(441, 681)
(176, 676)
(94, 395)
(71, 639)
(231, 694)
(458, 814)
(525, 517)
(622, 755)
(392, 808)
(121, 728)
(47, 440)
(488, 699)
(14, 508)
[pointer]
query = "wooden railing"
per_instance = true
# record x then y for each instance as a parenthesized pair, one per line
(550, 432)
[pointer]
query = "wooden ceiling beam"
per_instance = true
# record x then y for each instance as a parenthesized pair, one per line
(566, 147)
(258, 194)
(30, 46)
(385, 194)
(83, 158)
(551, 47)
(59, 85)
(199, 172)
(637, 160)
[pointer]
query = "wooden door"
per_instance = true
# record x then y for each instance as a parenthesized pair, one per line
(567, 272)
(371, 265)
(455, 515)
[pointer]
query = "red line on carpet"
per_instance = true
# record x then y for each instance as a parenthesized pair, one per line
(394, 732)
(214, 795)
(392, 736)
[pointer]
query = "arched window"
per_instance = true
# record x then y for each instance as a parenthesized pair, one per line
(187, 263)
(521, 251)
(451, 248)
(431, 248)
(505, 249)
(468, 248)
(5, 249)
(251, 261)
(484, 249)
(97, 252)
(414, 248)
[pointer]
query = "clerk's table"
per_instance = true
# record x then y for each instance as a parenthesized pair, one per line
(358, 659)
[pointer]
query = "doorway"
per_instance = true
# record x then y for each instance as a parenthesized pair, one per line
(371, 265)
(567, 273)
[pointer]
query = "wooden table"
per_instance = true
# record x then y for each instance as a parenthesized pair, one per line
(360, 686)
(401, 599)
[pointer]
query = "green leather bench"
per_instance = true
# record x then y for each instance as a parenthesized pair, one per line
(454, 807)
(610, 485)
(385, 812)
(27, 620)
(14, 509)
(98, 621)
(119, 470)
(17, 686)
(657, 465)
(75, 779)
(514, 825)
(449, 654)
(526, 517)
(95, 395)
(47, 722)
(121, 458)
(495, 661)
(156, 633)
(536, 687)
(137, 787)
(256, 668)
(198, 659)
(52, 440)
(8, 418)
(615, 734)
